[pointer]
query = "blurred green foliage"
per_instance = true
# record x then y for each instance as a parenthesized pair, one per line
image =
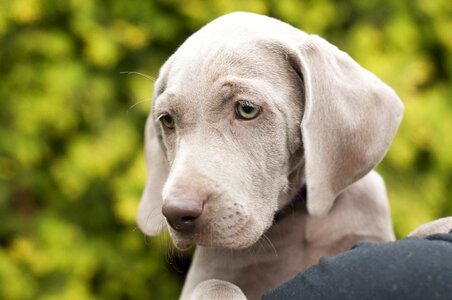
(71, 159)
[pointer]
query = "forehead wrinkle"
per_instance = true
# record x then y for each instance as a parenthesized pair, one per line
(234, 86)
(161, 101)
(185, 111)
(168, 102)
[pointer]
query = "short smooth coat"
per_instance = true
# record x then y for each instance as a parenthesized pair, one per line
(324, 121)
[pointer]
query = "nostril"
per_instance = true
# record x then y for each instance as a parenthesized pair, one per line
(182, 224)
(187, 219)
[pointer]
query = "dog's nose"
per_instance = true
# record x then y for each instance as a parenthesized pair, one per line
(182, 212)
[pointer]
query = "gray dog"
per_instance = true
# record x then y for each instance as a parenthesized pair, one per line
(249, 115)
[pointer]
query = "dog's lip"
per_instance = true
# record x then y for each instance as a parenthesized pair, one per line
(203, 238)
(241, 234)
(230, 241)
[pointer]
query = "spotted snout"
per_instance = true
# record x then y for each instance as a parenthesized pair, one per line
(199, 211)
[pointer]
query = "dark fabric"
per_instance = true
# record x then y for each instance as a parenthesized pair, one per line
(411, 268)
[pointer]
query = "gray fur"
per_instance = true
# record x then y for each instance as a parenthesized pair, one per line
(443, 225)
(325, 122)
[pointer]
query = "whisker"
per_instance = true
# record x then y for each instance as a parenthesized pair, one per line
(135, 104)
(170, 258)
(269, 242)
(153, 212)
(261, 244)
(138, 73)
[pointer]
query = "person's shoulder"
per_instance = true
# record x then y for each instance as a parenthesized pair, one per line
(410, 268)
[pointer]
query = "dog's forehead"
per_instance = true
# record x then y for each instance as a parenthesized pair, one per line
(241, 26)
(232, 46)
(210, 78)
(230, 43)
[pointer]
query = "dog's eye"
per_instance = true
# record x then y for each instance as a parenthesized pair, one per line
(246, 110)
(167, 121)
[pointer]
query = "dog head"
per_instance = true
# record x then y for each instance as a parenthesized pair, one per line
(246, 111)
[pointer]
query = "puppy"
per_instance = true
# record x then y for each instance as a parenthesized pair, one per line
(260, 149)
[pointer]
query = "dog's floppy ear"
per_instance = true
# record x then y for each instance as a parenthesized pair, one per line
(349, 121)
(150, 218)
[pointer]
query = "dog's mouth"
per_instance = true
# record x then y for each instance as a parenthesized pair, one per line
(235, 235)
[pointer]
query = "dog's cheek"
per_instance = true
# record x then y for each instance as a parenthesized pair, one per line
(225, 218)
(250, 235)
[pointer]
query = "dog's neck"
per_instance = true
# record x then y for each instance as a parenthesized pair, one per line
(270, 254)
(297, 240)
(297, 201)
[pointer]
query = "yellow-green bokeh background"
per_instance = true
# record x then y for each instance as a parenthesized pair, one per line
(71, 159)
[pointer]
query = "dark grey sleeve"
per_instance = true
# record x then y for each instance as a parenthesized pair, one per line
(411, 268)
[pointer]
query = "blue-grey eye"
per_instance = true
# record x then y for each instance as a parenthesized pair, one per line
(246, 110)
(167, 121)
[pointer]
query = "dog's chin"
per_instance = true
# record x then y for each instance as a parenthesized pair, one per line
(182, 243)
